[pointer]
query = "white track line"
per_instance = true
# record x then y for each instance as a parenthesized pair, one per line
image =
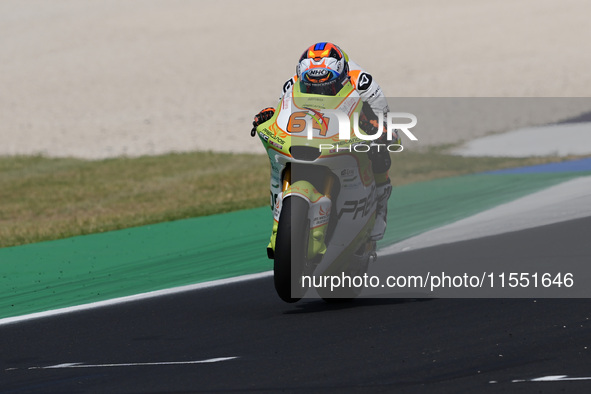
(552, 378)
(137, 297)
(80, 365)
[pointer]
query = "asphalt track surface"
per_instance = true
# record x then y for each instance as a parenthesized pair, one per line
(368, 345)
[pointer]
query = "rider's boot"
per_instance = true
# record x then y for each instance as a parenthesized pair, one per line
(383, 191)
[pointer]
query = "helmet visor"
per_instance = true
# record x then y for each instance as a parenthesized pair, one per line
(322, 81)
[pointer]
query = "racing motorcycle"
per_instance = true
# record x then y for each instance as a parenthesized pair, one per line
(323, 194)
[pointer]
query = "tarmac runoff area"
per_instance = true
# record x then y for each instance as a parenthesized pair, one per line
(560, 140)
(565, 201)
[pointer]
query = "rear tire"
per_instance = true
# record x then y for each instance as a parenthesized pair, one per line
(291, 246)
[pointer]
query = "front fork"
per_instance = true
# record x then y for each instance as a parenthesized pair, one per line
(318, 213)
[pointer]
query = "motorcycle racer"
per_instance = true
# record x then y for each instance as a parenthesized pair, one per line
(323, 69)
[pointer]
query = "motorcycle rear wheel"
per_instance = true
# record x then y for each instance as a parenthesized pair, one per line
(291, 246)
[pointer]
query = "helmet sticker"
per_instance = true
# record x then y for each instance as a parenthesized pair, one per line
(317, 73)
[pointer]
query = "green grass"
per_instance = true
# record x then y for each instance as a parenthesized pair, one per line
(43, 198)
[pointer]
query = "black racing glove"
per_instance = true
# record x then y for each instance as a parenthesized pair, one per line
(260, 118)
(371, 126)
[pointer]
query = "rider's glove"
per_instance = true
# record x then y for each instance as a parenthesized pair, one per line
(371, 126)
(260, 118)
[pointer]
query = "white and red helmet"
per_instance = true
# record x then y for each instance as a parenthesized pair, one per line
(322, 69)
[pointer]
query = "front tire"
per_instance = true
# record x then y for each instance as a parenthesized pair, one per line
(349, 293)
(291, 247)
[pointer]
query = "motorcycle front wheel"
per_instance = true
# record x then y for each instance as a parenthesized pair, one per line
(291, 246)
